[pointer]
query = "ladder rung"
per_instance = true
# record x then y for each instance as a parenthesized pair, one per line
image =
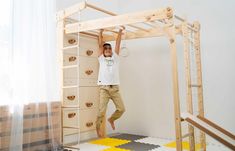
(71, 147)
(72, 86)
(70, 106)
(190, 39)
(70, 47)
(195, 85)
(71, 66)
(186, 135)
(71, 127)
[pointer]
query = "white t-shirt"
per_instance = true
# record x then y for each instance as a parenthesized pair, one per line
(109, 70)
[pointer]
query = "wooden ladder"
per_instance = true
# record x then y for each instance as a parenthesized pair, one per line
(63, 69)
(192, 56)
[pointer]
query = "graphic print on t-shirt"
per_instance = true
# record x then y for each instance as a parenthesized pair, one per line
(109, 61)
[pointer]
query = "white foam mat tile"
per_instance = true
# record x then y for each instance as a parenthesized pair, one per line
(154, 141)
(210, 147)
(213, 147)
(92, 147)
(162, 148)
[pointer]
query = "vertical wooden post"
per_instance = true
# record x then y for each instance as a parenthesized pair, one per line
(60, 45)
(78, 76)
(178, 133)
(189, 103)
(199, 80)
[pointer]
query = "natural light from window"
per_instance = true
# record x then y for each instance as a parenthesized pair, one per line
(5, 51)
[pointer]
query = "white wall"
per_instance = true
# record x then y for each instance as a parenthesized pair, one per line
(146, 73)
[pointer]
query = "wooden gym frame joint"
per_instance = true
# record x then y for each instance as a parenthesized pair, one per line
(169, 13)
(196, 25)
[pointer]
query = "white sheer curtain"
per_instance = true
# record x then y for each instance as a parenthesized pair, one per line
(29, 67)
(4, 50)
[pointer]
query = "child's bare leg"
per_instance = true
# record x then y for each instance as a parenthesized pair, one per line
(111, 123)
(98, 131)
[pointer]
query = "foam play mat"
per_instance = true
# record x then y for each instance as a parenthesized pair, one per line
(125, 142)
(131, 142)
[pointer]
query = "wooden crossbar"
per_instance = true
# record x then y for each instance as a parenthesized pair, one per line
(71, 10)
(155, 32)
(100, 9)
(114, 14)
(120, 20)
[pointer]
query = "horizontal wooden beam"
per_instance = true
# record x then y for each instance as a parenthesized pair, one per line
(89, 34)
(100, 9)
(112, 14)
(126, 19)
(155, 32)
(71, 10)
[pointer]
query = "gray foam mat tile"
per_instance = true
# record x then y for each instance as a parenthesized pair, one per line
(136, 146)
(131, 137)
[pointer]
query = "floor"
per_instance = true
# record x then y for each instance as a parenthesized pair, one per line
(130, 142)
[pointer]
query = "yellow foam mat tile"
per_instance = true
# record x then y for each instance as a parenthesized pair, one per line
(112, 142)
(115, 149)
(185, 145)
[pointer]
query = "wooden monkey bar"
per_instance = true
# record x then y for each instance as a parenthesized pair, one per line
(157, 20)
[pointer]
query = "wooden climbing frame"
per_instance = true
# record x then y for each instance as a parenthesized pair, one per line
(151, 23)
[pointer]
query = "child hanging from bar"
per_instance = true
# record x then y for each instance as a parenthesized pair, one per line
(108, 81)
